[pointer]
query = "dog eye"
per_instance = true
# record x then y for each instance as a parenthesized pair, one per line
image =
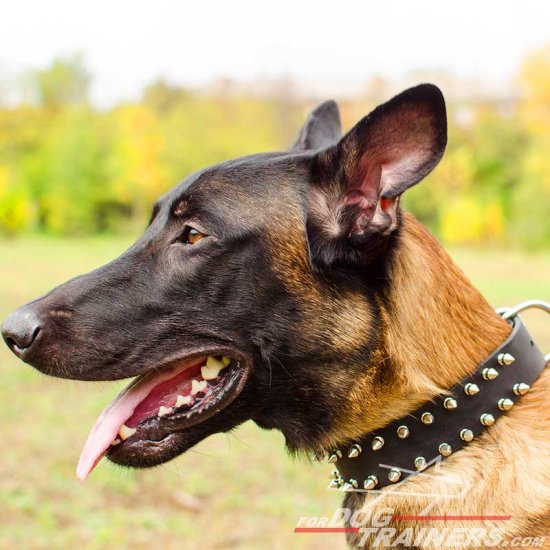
(192, 235)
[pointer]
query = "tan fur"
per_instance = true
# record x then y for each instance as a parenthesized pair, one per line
(347, 316)
(502, 472)
(440, 329)
(436, 329)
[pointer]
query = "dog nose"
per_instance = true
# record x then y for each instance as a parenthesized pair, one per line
(20, 330)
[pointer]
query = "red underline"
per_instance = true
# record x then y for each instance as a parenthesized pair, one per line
(326, 529)
(401, 518)
(451, 518)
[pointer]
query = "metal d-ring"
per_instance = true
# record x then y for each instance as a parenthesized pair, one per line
(509, 312)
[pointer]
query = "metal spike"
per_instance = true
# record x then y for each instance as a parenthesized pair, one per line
(427, 418)
(350, 486)
(471, 389)
(450, 403)
(445, 449)
(394, 475)
(466, 435)
(403, 432)
(334, 456)
(487, 419)
(489, 374)
(420, 463)
(335, 483)
(521, 388)
(505, 359)
(370, 483)
(355, 450)
(505, 404)
(377, 443)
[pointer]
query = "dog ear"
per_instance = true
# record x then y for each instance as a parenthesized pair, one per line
(353, 200)
(321, 129)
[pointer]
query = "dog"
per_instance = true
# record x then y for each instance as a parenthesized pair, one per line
(290, 288)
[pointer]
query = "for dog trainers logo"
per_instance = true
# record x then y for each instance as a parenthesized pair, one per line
(383, 527)
(375, 531)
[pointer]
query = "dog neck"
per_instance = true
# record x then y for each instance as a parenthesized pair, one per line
(437, 325)
(436, 329)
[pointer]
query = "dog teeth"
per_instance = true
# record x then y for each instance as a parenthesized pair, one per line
(183, 400)
(125, 432)
(212, 362)
(163, 411)
(214, 366)
(197, 386)
(115, 442)
(209, 373)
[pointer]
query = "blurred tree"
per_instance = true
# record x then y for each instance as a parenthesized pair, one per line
(136, 176)
(499, 144)
(531, 201)
(68, 168)
(163, 97)
(73, 161)
(65, 82)
(14, 205)
(209, 130)
(470, 195)
(21, 132)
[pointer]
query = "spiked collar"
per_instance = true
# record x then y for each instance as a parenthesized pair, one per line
(445, 424)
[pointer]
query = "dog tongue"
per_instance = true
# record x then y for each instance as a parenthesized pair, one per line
(115, 415)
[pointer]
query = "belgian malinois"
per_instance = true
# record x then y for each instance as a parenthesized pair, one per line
(291, 289)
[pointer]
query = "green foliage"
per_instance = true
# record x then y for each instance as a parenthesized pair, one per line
(67, 168)
(65, 82)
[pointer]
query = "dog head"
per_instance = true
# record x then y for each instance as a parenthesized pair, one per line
(259, 278)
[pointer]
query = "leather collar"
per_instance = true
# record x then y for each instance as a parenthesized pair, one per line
(445, 424)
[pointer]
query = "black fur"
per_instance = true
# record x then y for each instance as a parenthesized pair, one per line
(163, 298)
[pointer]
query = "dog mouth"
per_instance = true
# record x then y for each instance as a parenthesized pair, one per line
(154, 405)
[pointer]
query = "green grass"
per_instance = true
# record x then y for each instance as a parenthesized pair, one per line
(250, 493)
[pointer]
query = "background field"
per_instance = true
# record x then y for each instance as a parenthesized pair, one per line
(104, 106)
(231, 491)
